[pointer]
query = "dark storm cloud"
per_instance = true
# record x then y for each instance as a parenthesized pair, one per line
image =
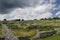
(6, 5)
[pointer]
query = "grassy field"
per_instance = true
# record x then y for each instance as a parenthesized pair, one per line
(24, 31)
(48, 24)
(37, 22)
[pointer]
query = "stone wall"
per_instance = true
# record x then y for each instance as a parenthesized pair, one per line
(43, 34)
(58, 30)
(47, 33)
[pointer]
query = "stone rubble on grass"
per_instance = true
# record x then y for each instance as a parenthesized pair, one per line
(58, 30)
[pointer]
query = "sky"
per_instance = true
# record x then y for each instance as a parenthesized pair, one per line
(29, 9)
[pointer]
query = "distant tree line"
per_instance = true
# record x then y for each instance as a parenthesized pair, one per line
(50, 18)
(36, 19)
(15, 20)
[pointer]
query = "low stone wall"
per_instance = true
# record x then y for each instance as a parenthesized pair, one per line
(58, 30)
(47, 33)
(43, 34)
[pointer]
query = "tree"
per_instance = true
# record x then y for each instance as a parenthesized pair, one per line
(22, 19)
(17, 19)
(49, 18)
(56, 18)
(42, 19)
(45, 18)
(35, 19)
(5, 20)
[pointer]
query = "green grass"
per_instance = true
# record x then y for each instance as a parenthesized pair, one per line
(0, 31)
(17, 32)
(37, 22)
(21, 32)
(45, 28)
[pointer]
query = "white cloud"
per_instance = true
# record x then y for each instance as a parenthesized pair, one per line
(52, 1)
(58, 13)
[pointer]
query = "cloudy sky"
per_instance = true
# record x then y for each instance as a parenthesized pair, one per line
(29, 9)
